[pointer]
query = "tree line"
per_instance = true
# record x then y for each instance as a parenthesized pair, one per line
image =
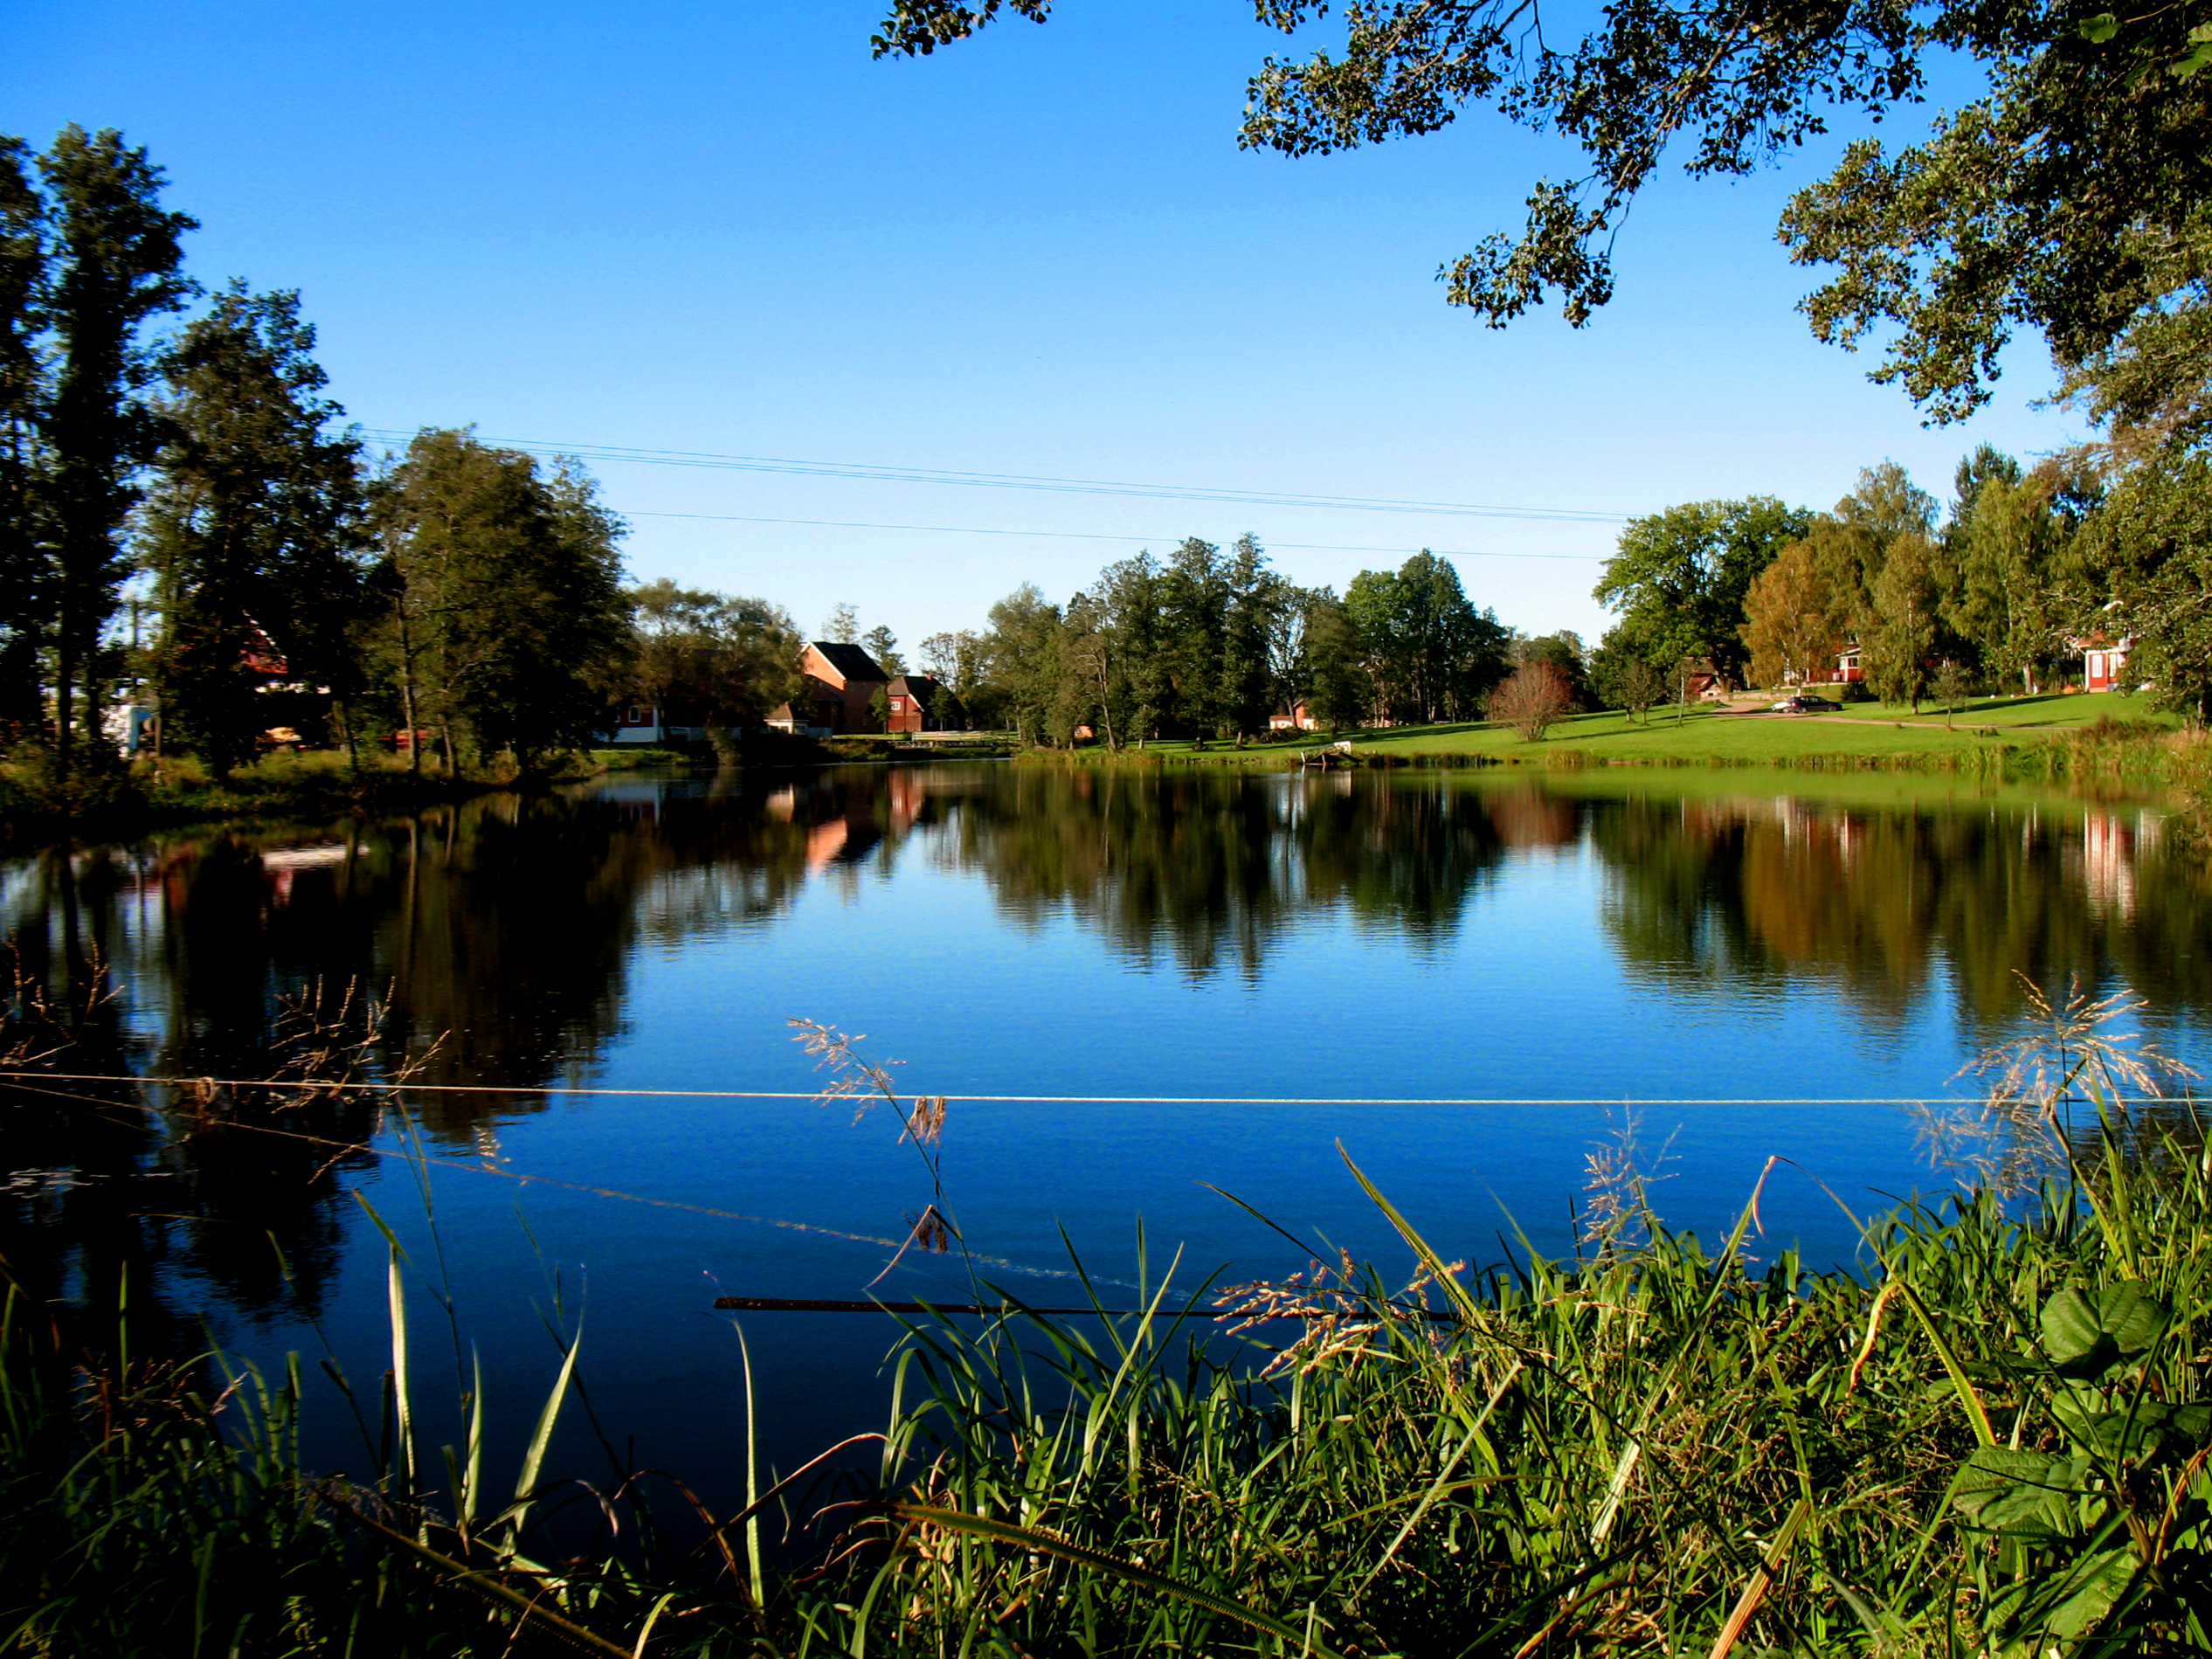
(1994, 592)
(186, 520)
(1213, 642)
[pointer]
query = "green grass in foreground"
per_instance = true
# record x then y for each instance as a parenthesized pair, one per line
(1991, 1440)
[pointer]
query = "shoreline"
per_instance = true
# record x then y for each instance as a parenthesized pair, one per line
(2009, 740)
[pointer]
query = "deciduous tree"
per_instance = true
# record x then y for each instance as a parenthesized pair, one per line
(116, 254)
(253, 532)
(1623, 679)
(883, 645)
(2151, 542)
(1435, 656)
(735, 660)
(1797, 612)
(1339, 691)
(24, 576)
(1678, 578)
(2010, 542)
(506, 608)
(1024, 658)
(1898, 649)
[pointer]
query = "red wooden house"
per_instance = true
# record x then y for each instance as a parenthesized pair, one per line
(2104, 660)
(841, 683)
(920, 703)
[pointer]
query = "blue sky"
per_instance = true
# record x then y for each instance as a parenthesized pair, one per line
(721, 228)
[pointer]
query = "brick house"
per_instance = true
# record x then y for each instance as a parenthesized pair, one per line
(841, 683)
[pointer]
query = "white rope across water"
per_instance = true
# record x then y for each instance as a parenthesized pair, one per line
(1040, 1100)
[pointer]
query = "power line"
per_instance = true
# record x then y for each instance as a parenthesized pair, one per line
(874, 472)
(1094, 536)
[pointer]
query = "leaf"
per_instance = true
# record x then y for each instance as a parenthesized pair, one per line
(2002, 1490)
(2091, 1334)
(533, 1458)
(2192, 1423)
(2141, 1431)
(2100, 28)
(1968, 1399)
(2097, 1583)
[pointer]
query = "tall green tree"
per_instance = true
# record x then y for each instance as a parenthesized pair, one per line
(2151, 544)
(24, 584)
(1083, 695)
(1678, 579)
(883, 645)
(1261, 606)
(1025, 660)
(1195, 593)
(2016, 593)
(253, 532)
(1900, 647)
(1339, 690)
(116, 258)
(956, 659)
(1129, 604)
(507, 621)
(733, 660)
(1855, 539)
(1435, 656)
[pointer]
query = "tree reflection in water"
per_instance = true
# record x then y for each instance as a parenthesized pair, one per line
(1895, 906)
(1206, 871)
(498, 939)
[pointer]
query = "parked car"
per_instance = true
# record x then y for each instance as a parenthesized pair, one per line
(1807, 706)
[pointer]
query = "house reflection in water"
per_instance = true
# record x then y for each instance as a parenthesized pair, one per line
(2111, 843)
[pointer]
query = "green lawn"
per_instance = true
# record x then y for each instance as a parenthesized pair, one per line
(1702, 732)
(1706, 734)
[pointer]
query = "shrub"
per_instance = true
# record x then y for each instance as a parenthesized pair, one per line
(1531, 698)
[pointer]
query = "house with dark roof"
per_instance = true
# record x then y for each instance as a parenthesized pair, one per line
(841, 683)
(920, 703)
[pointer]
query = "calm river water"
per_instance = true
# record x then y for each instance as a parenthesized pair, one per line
(1252, 971)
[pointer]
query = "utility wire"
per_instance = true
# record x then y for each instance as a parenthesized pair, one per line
(1097, 535)
(881, 473)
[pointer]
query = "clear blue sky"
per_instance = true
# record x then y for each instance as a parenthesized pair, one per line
(721, 228)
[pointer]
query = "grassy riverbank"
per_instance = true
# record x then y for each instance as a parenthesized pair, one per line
(1874, 730)
(116, 800)
(150, 794)
(1991, 1438)
(2049, 737)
